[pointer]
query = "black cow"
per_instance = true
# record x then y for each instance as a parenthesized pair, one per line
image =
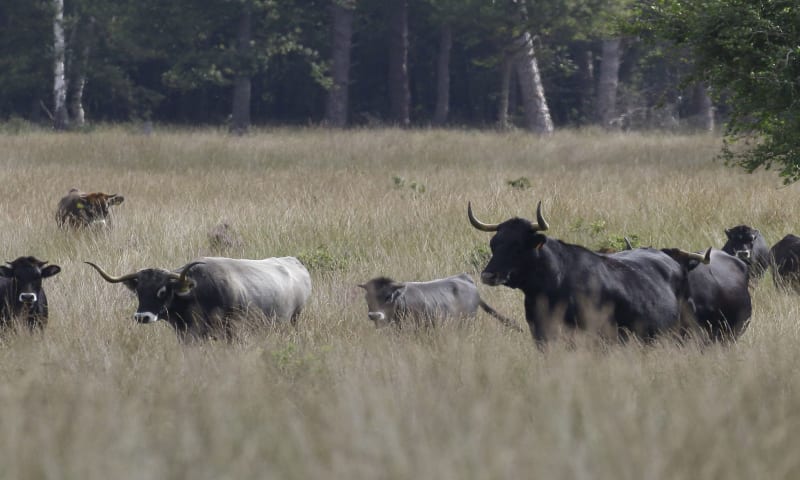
(719, 296)
(202, 298)
(568, 286)
(22, 292)
(785, 263)
(422, 303)
(748, 244)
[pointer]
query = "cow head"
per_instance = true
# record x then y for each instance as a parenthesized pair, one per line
(382, 294)
(515, 248)
(27, 274)
(741, 240)
(156, 289)
(91, 208)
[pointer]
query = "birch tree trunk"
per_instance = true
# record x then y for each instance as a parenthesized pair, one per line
(399, 94)
(78, 70)
(608, 82)
(240, 114)
(60, 115)
(443, 76)
(337, 105)
(537, 113)
(506, 69)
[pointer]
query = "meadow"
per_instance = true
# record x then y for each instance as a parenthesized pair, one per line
(98, 396)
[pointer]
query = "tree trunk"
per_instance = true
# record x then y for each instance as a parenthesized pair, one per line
(702, 109)
(399, 94)
(78, 71)
(342, 44)
(443, 76)
(60, 115)
(537, 114)
(240, 115)
(606, 111)
(586, 78)
(505, 88)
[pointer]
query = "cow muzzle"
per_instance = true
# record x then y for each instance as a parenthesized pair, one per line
(493, 279)
(743, 254)
(377, 316)
(145, 317)
(27, 298)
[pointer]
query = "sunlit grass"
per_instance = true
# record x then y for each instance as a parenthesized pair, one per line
(98, 396)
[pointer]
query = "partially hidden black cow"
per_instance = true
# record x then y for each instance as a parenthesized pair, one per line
(785, 263)
(79, 209)
(719, 295)
(22, 293)
(568, 287)
(205, 297)
(748, 244)
(423, 303)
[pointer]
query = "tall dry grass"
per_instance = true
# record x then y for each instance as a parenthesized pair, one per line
(98, 396)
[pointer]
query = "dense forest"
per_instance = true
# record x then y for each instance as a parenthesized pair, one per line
(536, 65)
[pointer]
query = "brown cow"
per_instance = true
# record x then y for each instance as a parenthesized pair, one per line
(79, 209)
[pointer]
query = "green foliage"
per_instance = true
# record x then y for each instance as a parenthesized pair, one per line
(415, 186)
(749, 53)
(17, 125)
(478, 257)
(618, 243)
(521, 183)
(322, 259)
(294, 363)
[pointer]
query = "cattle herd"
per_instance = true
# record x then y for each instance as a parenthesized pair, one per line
(637, 293)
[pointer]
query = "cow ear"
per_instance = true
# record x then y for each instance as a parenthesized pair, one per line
(80, 205)
(131, 284)
(362, 285)
(115, 199)
(6, 271)
(397, 290)
(50, 270)
(728, 232)
(186, 288)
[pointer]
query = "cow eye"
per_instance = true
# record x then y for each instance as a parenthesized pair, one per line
(162, 292)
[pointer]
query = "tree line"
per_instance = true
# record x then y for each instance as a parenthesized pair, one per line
(536, 65)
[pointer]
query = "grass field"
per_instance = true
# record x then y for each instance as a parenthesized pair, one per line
(98, 396)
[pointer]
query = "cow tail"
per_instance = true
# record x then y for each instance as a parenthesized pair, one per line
(507, 322)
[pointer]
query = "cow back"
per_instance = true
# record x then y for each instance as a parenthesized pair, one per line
(455, 296)
(278, 287)
(720, 296)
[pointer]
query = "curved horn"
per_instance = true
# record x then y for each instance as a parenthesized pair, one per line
(628, 245)
(182, 276)
(540, 218)
(108, 278)
(707, 256)
(704, 258)
(486, 227)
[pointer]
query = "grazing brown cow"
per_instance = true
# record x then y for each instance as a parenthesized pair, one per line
(79, 209)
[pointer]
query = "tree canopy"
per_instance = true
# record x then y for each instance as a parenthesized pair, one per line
(748, 52)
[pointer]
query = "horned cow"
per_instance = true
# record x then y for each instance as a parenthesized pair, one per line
(79, 209)
(424, 303)
(206, 296)
(22, 293)
(568, 287)
(749, 245)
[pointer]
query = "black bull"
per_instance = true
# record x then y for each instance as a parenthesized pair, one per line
(567, 287)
